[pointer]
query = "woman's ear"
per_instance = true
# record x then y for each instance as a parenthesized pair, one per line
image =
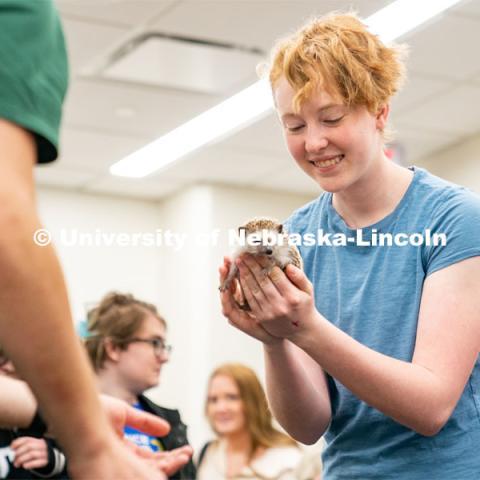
(381, 117)
(112, 351)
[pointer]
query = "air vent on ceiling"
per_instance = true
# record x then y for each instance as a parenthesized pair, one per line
(183, 63)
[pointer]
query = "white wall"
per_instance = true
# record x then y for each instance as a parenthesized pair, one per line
(459, 164)
(92, 271)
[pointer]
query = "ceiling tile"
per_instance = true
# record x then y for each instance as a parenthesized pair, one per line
(470, 8)
(417, 90)
(230, 20)
(86, 41)
(154, 111)
(264, 136)
(447, 114)
(95, 151)
(122, 12)
(192, 66)
(220, 164)
(445, 47)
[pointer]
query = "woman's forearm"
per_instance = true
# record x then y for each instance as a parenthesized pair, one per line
(17, 404)
(297, 392)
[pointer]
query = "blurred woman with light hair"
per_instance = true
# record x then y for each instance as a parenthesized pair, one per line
(247, 444)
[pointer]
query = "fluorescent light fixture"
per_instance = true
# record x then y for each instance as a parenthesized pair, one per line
(234, 113)
(402, 16)
(256, 101)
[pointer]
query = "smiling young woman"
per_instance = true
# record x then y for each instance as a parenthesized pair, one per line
(376, 347)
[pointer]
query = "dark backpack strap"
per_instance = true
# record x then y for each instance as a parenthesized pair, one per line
(203, 451)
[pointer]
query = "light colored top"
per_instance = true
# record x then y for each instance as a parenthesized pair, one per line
(277, 463)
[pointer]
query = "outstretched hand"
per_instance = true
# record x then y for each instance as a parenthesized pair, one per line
(120, 414)
(117, 461)
(172, 460)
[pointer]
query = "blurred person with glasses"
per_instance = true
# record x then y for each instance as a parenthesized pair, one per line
(126, 343)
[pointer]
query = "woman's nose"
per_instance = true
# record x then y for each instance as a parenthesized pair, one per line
(316, 140)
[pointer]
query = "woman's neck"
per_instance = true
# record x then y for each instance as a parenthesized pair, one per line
(375, 197)
(238, 448)
(110, 385)
(238, 442)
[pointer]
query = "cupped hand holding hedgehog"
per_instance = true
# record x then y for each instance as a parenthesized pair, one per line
(264, 291)
(267, 240)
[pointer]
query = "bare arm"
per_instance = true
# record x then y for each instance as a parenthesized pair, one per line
(17, 404)
(34, 305)
(296, 385)
(34, 308)
(423, 393)
(420, 394)
(297, 391)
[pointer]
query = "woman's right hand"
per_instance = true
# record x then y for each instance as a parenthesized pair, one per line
(30, 452)
(241, 319)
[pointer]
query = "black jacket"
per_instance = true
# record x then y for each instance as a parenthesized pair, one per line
(177, 436)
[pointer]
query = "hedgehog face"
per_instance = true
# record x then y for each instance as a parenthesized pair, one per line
(263, 236)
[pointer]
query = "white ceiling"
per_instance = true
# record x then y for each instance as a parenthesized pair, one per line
(105, 120)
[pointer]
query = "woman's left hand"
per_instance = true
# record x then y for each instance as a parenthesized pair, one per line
(283, 303)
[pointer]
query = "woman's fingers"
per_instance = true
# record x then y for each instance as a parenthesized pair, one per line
(34, 463)
(173, 460)
(27, 457)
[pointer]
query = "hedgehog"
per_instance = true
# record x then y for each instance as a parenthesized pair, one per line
(264, 237)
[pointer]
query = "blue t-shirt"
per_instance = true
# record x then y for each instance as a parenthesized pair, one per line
(373, 294)
(142, 439)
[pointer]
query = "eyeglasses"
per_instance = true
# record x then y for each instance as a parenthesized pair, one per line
(158, 344)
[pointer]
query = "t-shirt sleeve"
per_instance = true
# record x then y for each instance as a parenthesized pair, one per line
(33, 71)
(458, 220)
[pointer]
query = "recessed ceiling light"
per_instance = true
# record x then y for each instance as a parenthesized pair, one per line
(182, 63)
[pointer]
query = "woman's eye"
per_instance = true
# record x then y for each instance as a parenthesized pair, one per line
(294, 128)
(332, 121)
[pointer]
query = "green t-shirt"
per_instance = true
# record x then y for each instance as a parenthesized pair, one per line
(33, 70)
